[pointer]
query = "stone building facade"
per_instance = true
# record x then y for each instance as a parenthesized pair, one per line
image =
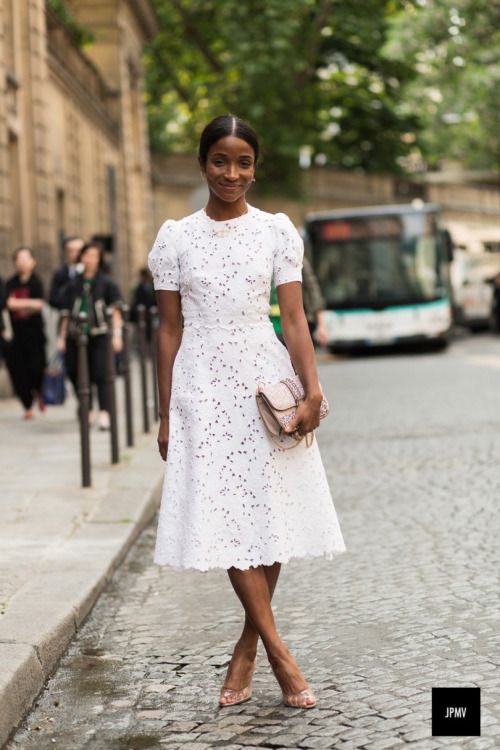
(74, 154)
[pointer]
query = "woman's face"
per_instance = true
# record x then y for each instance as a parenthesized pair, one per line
(90, 260)
(230, 168)
(24, 262)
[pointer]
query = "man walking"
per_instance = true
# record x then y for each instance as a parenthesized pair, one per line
(67, 272)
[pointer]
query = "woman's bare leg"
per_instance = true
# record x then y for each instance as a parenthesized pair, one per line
(249, 637)
(252, 589)
(239, 669)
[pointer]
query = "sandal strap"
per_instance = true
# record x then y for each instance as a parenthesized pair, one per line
(294, 699)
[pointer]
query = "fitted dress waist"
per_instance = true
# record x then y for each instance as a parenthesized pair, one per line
(240, 323)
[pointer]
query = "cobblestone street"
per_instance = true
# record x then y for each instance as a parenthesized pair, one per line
(412, 450)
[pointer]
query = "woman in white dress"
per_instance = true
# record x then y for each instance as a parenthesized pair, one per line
(231, 498)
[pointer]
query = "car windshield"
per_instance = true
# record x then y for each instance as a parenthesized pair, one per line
(378, 261)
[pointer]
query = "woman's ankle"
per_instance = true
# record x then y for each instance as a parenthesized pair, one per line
(248, 649)
(277, 653)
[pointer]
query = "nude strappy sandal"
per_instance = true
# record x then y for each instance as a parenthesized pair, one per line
(298, 700)
(237, 696)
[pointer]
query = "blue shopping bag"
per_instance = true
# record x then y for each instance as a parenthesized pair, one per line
(53, 386)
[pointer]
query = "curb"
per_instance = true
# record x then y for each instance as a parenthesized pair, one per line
(45, 615)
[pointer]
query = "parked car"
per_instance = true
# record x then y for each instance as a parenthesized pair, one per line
(475, 264)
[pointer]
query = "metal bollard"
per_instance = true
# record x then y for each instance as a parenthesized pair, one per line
(153, 321)
(127, 381)
(83, 390)
(141, 335)
(110, 386)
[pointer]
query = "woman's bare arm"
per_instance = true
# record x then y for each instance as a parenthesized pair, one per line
(63, 332)
(168, 341)
(301, 350)
(117, 323)
(25, 305)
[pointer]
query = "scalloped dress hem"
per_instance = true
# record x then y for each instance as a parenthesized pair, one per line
(327, 555)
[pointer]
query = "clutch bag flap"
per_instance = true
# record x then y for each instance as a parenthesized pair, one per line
(278, 396)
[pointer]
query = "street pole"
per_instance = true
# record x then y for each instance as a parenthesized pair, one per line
(127, 382)
(110, 386)
(141, 333)
(83, 390)
(153, 320)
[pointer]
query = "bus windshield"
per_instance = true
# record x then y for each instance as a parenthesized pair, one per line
(378, 261)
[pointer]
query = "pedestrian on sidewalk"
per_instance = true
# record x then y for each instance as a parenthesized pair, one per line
(25, 354)
(66, 273)
(496, 303)
(143, 294)
(231, 498)
(3, 313)
(314, 306)
(91, 291)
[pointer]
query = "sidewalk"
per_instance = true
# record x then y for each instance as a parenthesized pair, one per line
(60, 544)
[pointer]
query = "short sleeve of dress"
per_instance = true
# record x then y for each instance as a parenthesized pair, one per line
(163, 259)
(289, 251)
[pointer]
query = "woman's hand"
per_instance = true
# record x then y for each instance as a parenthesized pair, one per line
(321, 334)
(117, 343)
(163, 434)
(61, 344)
(306, 417)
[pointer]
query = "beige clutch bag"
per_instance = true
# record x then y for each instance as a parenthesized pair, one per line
(277, 404)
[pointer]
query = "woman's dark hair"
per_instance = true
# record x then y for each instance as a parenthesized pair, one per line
(222, 126)
(19, 249)
(89, 246)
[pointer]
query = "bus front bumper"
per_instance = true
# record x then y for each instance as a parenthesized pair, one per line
(398, 325)
(418, 339)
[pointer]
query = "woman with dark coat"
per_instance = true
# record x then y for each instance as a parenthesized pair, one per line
(25, 354)
(91, 292)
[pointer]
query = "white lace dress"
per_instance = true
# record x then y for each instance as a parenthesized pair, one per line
(230, 496)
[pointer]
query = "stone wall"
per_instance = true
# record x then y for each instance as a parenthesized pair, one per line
(74, 155)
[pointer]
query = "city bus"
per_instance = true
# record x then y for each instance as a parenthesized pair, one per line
(384, 274)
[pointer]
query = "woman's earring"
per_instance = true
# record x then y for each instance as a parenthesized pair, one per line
(253, 179)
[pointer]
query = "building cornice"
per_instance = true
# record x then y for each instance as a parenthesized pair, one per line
(79, 76)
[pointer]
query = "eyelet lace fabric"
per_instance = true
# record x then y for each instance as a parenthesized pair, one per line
(230, 496)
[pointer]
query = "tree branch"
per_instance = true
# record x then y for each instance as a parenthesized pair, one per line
(314, 43)
(196, 37)
(163, 62)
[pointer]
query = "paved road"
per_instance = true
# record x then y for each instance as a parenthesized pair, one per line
(413, 454)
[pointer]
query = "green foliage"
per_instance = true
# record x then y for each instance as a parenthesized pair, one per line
(453, 47)
(81, 34)
(308, 75)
